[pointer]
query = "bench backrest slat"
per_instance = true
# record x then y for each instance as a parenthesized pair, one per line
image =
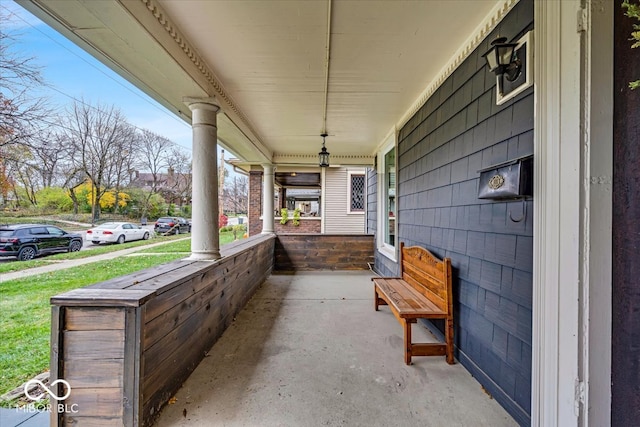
(427, 274)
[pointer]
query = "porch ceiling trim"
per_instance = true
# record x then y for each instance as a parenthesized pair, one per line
(477, 36)
(307, 159)
(230, 108)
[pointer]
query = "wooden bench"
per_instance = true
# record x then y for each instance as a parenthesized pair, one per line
(423, 291)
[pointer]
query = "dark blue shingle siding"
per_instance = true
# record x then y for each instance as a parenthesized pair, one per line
(458, 131)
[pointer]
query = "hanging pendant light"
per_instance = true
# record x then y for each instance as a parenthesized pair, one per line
(323, 155)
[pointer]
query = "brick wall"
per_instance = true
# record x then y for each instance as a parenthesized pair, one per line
(255, 203)
(458, 131)
(306, 226)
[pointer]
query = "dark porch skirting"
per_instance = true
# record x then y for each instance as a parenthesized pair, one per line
(323, 252)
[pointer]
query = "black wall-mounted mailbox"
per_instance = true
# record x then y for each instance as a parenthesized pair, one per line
(508, 180)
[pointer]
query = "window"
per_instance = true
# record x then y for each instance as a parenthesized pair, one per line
(356, 193)
(386, 200)
(389, 197)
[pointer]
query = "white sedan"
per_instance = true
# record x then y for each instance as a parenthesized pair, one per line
(116, 232)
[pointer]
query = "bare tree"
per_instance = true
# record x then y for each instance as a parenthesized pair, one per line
(97, 134)
(34, 162)
(23, 169)
(154, 152)
(237, 194)
(6, 183)
(21, 113)
(180, 180)
(47, 147)
(74, 179)
(119, 172)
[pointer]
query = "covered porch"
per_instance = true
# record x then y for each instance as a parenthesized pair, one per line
(266, 336)
(403, 90)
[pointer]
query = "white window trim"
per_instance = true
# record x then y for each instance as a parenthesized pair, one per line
(323, 199)
(386, 249)
(349, 175)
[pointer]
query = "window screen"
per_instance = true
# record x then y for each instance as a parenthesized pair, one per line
(357, 193)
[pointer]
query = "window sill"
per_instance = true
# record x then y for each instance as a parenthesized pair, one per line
(388, 251)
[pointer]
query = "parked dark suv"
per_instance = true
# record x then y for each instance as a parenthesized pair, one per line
(172, 225)
(26, 241)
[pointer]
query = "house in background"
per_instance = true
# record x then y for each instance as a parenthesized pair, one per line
(330, 200)
(174, 187)
(546, 285)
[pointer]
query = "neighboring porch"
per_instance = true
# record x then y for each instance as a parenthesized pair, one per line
(308, 349)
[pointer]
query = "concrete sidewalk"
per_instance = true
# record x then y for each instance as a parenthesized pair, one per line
(76, 262)
(19, 418)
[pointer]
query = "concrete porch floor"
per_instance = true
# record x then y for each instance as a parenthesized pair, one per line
(309, 350)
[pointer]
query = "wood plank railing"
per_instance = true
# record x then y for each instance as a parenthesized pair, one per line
(125, 346)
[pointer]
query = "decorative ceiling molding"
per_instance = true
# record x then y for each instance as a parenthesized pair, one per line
(202, 67)
(315, 156)
(312, 159)
(481, 32)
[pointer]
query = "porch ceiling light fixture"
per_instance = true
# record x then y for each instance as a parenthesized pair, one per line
(501, 61)
(323, 155)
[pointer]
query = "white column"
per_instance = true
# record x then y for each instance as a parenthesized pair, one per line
(205, 239)
(267, 200)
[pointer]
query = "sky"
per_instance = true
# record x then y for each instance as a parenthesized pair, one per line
(71, 73)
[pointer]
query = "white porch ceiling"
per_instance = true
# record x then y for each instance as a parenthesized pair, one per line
(268, 59)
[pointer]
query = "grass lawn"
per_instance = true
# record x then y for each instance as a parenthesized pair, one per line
(25, 312)
(184, 246)
(7, 267)
(34, 220)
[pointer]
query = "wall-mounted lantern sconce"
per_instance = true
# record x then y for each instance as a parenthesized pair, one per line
(501, 61)
(323, 155)
(512, 63)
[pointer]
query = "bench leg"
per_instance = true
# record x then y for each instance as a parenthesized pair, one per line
(448, 335)
(375, 297)
(377, 301)
(406, 325)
